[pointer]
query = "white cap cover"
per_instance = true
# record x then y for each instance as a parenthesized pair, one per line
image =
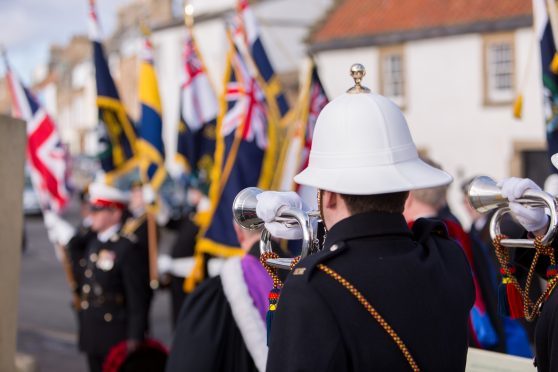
(102, 194)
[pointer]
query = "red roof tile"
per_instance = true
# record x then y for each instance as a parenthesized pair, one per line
(354, 18)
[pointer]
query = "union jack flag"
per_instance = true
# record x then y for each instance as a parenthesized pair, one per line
(246, 104)
(46, 157)
(244, 157)
(198, 114)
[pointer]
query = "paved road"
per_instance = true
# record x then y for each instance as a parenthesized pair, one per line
(46, 322)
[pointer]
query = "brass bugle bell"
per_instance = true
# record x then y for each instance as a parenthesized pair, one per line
(244, 213)
(484, 195)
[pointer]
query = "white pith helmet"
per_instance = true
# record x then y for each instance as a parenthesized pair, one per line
(362, 146)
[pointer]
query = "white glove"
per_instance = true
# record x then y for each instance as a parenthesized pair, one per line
(148, 194)
(269, 204)
(50, 219)
(532, 219)
(164, 264)
(59, 231)
(163, 213)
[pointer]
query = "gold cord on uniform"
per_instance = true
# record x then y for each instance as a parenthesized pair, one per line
(273, 296)
(512, 299)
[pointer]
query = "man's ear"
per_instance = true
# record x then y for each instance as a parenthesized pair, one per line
(410, 200)
(331, 199)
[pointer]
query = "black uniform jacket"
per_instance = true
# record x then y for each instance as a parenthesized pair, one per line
(136, 229)
(546, 329)
(207, 338)
(423, 290)
(111, 280)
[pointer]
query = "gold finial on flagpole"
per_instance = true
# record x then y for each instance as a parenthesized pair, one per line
(188, 14)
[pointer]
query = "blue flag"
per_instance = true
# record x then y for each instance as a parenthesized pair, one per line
(550, 79)
(245, 149)
(150, 144)
(244, 157)
(117, 134)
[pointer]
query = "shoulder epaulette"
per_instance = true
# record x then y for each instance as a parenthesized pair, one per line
(305, 267)
(423, 228)
(130, 236)
(132, 224)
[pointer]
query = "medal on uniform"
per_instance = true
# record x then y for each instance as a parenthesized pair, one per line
(105, 261)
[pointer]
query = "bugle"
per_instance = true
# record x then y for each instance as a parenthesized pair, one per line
(244, 213)
(484, 195)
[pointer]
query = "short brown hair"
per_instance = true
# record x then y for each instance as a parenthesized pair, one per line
(392, 202)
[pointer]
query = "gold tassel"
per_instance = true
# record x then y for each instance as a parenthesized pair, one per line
(518, 106)
(554, 64)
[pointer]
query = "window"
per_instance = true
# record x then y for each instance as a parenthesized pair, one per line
(392, 75)
(499, 82)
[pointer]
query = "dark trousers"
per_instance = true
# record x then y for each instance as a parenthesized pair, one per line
(95, 362)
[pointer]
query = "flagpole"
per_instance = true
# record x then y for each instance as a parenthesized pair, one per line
(152, 243)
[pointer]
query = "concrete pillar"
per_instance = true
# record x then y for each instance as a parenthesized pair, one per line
(12, 161)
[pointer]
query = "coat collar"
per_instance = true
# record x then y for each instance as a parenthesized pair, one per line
(105, 235)
(367, 224)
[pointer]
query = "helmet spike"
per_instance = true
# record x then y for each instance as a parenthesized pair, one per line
(358, 71)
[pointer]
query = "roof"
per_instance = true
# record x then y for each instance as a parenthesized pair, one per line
(370, 22)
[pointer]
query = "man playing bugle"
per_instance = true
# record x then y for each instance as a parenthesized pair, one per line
(378, 296)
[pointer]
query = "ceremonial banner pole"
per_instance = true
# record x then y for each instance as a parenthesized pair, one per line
(70, 278)
(153, 249)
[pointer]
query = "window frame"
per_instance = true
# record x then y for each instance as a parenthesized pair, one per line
(384, 53)
(492, 98)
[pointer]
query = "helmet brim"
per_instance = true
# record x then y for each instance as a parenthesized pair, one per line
(403, 176)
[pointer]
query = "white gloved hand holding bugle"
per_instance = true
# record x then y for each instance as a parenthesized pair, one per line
(269, 204)
(533, 219)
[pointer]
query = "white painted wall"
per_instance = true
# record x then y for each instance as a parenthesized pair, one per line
(444, 102)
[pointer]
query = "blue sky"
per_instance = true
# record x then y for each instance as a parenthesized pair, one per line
(29, 27)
